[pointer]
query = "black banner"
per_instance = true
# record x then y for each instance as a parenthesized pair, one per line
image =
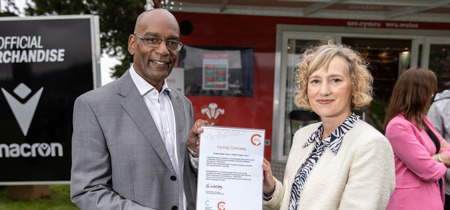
(44, 65)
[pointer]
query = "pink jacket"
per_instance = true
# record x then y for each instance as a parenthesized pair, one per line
(416, 173)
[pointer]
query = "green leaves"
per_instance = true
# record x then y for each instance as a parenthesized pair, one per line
(117, 19)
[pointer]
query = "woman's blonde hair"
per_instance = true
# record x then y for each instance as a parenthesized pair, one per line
(321, 56)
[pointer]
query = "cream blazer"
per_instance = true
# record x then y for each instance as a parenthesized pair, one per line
(360, 176)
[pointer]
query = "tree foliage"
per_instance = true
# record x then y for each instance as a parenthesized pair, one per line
(117, 18)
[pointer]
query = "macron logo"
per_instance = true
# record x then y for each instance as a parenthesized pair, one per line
(23, 112)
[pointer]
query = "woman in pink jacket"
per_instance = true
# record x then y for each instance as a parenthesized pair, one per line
(421, 154)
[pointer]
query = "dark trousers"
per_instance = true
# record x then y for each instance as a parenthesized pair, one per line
(447, 202)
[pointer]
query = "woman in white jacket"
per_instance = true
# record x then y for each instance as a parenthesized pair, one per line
(341, 162)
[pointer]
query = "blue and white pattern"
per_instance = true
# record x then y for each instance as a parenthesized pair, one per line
(333, 142)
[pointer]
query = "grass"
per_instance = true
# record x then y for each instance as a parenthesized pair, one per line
(58, 200)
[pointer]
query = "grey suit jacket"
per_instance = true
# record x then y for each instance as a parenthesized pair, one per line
(119, 160)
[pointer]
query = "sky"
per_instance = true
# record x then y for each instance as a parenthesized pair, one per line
(20, 4)
(106, 62)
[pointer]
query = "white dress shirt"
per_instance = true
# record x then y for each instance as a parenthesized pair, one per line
(161, 109)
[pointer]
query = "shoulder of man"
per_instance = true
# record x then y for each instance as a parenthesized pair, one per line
(100, 91)
(442, 95)
(105, 91)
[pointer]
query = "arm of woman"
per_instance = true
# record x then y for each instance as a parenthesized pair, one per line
(371, 178)
(444, 152)
(407, 147)
(441, 157)
(272, 188)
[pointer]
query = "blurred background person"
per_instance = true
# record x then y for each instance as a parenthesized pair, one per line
(341, 162)
(439, 115)
(421, 154)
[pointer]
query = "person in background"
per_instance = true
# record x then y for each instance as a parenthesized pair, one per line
(439, 115)
(421, 154)
(135, 144)
(341, 162)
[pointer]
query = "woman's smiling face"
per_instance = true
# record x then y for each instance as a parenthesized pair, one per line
(330, 90)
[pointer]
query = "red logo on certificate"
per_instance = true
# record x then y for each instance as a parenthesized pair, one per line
(221, 205)
(256, 139)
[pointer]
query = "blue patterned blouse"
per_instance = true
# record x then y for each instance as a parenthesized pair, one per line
(333, 142)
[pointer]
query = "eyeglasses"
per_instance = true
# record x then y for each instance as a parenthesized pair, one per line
(155, 42)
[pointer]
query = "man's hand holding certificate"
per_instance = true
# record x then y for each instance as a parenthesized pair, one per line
(230, 168)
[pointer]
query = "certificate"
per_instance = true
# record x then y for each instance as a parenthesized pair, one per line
(230, 171)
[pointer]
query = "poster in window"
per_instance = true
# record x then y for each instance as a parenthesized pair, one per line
(217, 71)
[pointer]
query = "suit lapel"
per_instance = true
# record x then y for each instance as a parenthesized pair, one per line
(180, 122)
(135, 106)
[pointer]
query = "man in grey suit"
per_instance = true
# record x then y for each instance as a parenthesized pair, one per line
(134, 144)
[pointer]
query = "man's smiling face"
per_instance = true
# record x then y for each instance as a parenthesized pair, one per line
(154, 64)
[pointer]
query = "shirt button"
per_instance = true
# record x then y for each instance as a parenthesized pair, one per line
(154, 93)
(173, 178)
(166, 132)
